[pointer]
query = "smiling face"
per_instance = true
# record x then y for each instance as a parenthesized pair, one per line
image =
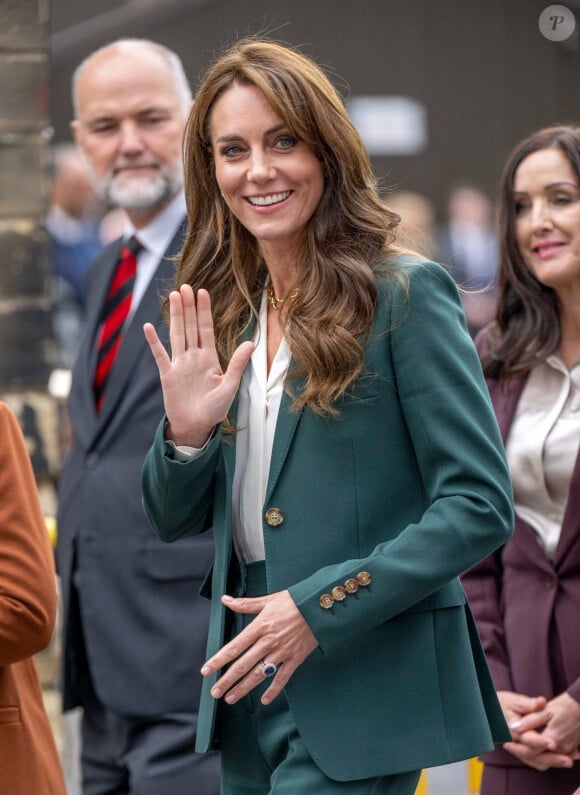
(130, 125)
(271, 181)
(546, 194)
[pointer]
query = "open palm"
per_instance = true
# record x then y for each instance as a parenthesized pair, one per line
(196, 392)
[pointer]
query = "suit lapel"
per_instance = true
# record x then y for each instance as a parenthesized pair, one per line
(229, 444)
(82, 398)
(571, 522)
(285, 428)
(285, 425)
(505, 397)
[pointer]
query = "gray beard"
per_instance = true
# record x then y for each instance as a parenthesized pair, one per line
(140, 194)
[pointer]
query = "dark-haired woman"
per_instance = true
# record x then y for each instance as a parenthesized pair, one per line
(327, 416)
(526, 596)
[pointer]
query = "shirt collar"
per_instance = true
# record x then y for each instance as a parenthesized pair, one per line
(556, 362)
(157, 235)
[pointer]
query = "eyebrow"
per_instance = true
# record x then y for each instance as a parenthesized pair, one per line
(234, 137)
(551, 185)
(148, 111)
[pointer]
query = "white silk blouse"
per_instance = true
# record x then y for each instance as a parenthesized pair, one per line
(542, 447)
(260, 394)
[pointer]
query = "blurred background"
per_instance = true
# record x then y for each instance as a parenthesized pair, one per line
(440, 91)
(479, 71)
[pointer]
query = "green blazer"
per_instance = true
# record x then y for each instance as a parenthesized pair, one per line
(407, 489)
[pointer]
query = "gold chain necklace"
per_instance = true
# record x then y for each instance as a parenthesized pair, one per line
(278, 303)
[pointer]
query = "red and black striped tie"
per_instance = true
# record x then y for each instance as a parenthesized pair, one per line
(115, 311)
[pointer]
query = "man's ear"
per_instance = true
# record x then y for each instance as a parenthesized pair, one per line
(74, 129)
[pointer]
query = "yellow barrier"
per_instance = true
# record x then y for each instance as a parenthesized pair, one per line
(422, 786)
(50, 522)
(475, 770)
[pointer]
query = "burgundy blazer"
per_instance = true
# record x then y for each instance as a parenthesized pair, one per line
(527, 607)
(29, 763)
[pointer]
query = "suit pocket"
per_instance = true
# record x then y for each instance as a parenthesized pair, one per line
(450, 595)
(9, 715)
(187, 559)
(366, 389)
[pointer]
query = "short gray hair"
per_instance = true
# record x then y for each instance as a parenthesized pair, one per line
(180, 81)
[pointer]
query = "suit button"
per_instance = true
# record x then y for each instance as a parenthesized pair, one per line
(550, 581)
(363, 578)
(338, 593)
(351, 585)
(326, 601)
(92, 460)
(274, 517)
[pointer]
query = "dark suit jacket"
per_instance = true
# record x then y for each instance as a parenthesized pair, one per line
(527, 606)
(28, 757)
(409, 485)
(144, 626)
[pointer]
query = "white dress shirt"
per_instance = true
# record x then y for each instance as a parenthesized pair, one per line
(155, 238)
(542, 447)
(260, 394)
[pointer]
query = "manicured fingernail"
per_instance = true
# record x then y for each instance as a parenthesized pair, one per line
(226, 598)
(517, 724)
(231, 698)
(216, 692)
(265, 700)
(204, 670)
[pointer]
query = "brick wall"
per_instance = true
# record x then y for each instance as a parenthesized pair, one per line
(26, 343)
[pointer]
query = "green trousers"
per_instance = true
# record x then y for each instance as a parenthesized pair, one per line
(262, 751)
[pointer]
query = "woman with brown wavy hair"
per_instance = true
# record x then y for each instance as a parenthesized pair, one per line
(526, 596)
(327, 417)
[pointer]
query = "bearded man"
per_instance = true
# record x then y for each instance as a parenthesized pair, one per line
(134, 628)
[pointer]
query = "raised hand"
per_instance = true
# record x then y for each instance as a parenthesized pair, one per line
(196, 392)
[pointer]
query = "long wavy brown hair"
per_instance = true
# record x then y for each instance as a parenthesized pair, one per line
(351, 232)
(526, 327)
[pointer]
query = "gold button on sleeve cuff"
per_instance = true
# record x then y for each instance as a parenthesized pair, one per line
(340, 592)
(326, 601)
(363, 578)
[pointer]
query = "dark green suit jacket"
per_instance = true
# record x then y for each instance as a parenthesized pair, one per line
(409, 485)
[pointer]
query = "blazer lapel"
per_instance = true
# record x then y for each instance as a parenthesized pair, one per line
(82, 397)
(285, 428)
(229, 443)
(505, 396)
(571, 522)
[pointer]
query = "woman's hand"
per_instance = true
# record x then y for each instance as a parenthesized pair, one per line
(560, 721)
(279, 634)
(532, 745)
(196, 393)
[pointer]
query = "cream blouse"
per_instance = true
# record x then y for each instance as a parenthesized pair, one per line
(260, 394)
(542, 447)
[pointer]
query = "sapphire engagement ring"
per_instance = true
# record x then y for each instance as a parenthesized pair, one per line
(269, 668)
